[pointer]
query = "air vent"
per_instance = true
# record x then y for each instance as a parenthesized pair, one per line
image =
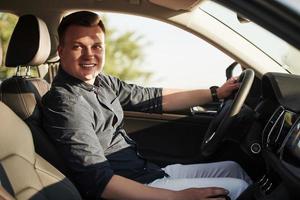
(269, 128)
(278, 128)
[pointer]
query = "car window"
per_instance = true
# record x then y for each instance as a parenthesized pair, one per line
(148, 52)
(169, 56)
(284, 53)
(7, 24)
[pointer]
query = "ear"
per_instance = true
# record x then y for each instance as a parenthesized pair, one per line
(60, 50)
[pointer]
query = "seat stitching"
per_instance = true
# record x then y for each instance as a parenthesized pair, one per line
(23, 101)
(11, 155)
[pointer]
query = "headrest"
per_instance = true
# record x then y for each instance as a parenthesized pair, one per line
(29, 44)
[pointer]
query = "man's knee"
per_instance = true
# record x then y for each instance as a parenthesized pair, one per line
(233, 166)
(236, 171)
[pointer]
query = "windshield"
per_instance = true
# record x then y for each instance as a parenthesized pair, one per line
(282, 52)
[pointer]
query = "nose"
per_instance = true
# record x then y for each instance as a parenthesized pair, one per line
(88, 52)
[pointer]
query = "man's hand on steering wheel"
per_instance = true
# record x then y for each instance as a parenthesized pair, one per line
(219, 126)
(228, 87)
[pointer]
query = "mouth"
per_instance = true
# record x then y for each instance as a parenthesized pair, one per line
(87, 66)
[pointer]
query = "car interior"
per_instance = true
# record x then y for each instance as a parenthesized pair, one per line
(258, 126)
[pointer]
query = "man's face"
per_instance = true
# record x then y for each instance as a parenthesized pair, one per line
(82, 53)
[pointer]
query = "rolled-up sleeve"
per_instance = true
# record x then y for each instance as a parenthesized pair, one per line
(69, 122)
(136, 98)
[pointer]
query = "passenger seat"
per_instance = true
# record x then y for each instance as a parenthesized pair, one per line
(30, 46)
(23, 173)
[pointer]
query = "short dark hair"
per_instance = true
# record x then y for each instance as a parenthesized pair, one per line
(81, 18)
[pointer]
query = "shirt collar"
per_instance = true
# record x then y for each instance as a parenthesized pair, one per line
(62, 76)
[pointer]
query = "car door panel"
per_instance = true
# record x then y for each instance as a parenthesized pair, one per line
(168, 138)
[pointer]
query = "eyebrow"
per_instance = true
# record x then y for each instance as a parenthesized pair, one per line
(98, 43)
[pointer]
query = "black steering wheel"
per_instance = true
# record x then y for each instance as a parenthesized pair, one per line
(219, 126)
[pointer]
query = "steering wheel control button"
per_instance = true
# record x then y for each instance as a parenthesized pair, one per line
(255, 148)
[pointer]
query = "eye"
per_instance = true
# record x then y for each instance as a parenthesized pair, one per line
(76, 47)
(98, 47)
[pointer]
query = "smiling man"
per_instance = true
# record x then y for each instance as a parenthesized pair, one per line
(83, 115)
(82, 53)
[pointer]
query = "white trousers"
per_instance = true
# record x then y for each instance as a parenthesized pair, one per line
(226, 174)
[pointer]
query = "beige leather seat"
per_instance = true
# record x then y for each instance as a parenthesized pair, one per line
(23, 173)
(29, 46)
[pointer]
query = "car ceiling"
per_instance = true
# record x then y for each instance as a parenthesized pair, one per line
(178, 5)
(21, 7)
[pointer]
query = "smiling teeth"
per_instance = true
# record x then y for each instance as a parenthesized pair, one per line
(87, 65)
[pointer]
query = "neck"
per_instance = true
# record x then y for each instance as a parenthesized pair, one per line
(91, 82)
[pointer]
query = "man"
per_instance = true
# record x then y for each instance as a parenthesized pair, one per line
(83, 114)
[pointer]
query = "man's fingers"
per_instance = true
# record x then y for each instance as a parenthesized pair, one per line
(208, 193)
(216, 192)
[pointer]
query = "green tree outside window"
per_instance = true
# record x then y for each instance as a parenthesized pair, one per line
(124, 52)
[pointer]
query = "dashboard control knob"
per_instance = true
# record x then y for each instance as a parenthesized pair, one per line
(255, 148)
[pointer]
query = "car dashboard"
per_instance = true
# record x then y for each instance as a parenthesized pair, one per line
(281, 137)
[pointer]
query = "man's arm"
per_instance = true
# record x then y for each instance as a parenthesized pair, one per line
(122, 188)
(176, 99)
(69, 122)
